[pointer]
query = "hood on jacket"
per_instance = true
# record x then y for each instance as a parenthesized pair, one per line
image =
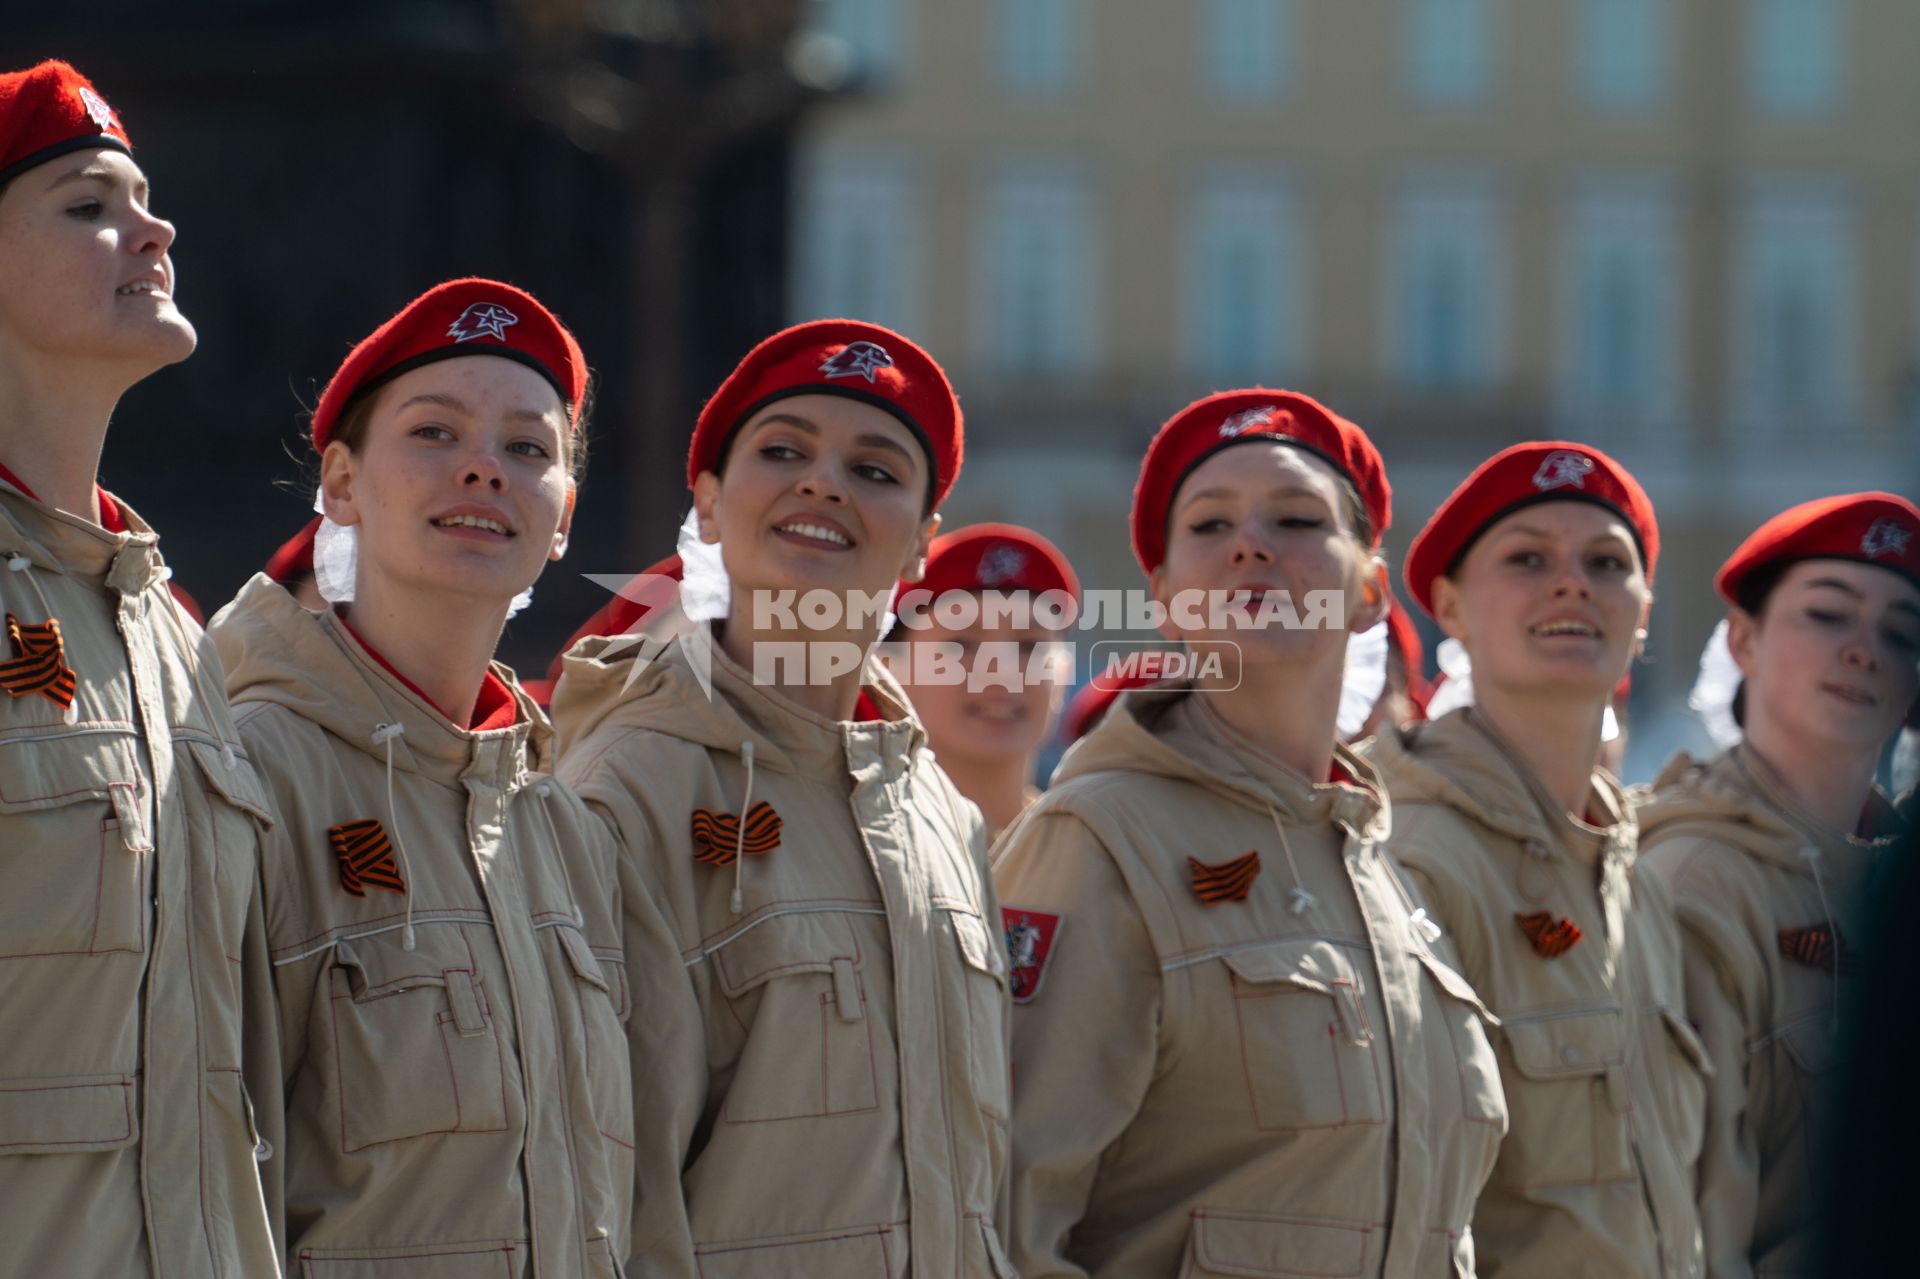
(1457, 761)
(1746, 805)
(609, 680)
(1129, 738)
(277, 651)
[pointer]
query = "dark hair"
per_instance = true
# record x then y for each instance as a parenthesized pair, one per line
(1754, 593)
(740, 429)
(351, 429)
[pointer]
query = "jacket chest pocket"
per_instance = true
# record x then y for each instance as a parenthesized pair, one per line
(599, 988)
(76, 868)
(983, 968)
(796, 986)
(1308, 1049)
(1570, 1097)
(417, 1050)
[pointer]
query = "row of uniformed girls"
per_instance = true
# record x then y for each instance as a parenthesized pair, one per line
(345, 980)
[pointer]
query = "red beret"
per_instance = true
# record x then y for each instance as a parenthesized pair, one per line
(1090, 702)
(1222, 420)
(861, 361)
(1404, 636)
(460, 317)
(1526, 475)
(49, 110)
(996, 557)
(295, 554)
(1872, 528)
(632, 609)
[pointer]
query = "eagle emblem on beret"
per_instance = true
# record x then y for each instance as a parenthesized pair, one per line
(1002, 564)
(482, 320)
(1885, 537)
(1246, 420)
(97, 109)
(857, 359)
(1563, 469)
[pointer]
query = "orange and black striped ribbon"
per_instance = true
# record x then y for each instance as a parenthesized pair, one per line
(1814, 946)
(39, 663)
(1551, 937)
(1224, 881)
(366, 857)
(716, 836)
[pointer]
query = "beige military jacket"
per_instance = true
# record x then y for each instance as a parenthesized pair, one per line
(821, 1063)
(461, 1105)
(129, 828)
(1579, 955)
(1237, 1052)
(1772, 906)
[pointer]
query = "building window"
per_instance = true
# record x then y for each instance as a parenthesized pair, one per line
(1619, 300)
(869, 28)
(1447, 287)
(1040, 45)
(1795, 312)
(1622, 52)
(1447, 49)
(858, 248)
(1243, 282)
(1795, 51)
(1247, 48)
(1037, 275)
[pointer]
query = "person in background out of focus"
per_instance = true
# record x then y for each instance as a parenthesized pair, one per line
(1771, 850)
(990, 709)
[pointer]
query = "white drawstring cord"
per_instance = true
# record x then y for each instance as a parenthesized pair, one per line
(739, 902)
(383, 735)
(1811, 856)
(1299, 900)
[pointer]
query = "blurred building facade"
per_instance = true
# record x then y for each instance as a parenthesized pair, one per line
(1686, 231)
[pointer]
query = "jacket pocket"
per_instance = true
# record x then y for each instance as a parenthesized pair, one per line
(75, 865)
(983, 965)
(416, 1050)
(494, 1259)
(1683, 1088)
(67, 1115)
(1482, 1099)
(795, 984)
(1570, 1098)
(1259, 1245)
(1309, 1055)
(604, 1046)
(856, 1252)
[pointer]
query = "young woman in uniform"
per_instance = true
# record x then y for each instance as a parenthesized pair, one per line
(822, 1068)
(1239, 1046)
(440, 1066)
(1540, 565)
(1769, 848)
(129, 815)
(988, 716)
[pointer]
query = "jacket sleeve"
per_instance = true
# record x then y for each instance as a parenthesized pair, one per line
(666, 1034)
(1085, 1044)
(1723, 976)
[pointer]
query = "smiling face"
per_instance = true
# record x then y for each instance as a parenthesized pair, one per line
(459, 482)
(85, 276)
(992, 721)
(1549, 599)
(1833, 657)
(819, 492)
(1266, 517)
